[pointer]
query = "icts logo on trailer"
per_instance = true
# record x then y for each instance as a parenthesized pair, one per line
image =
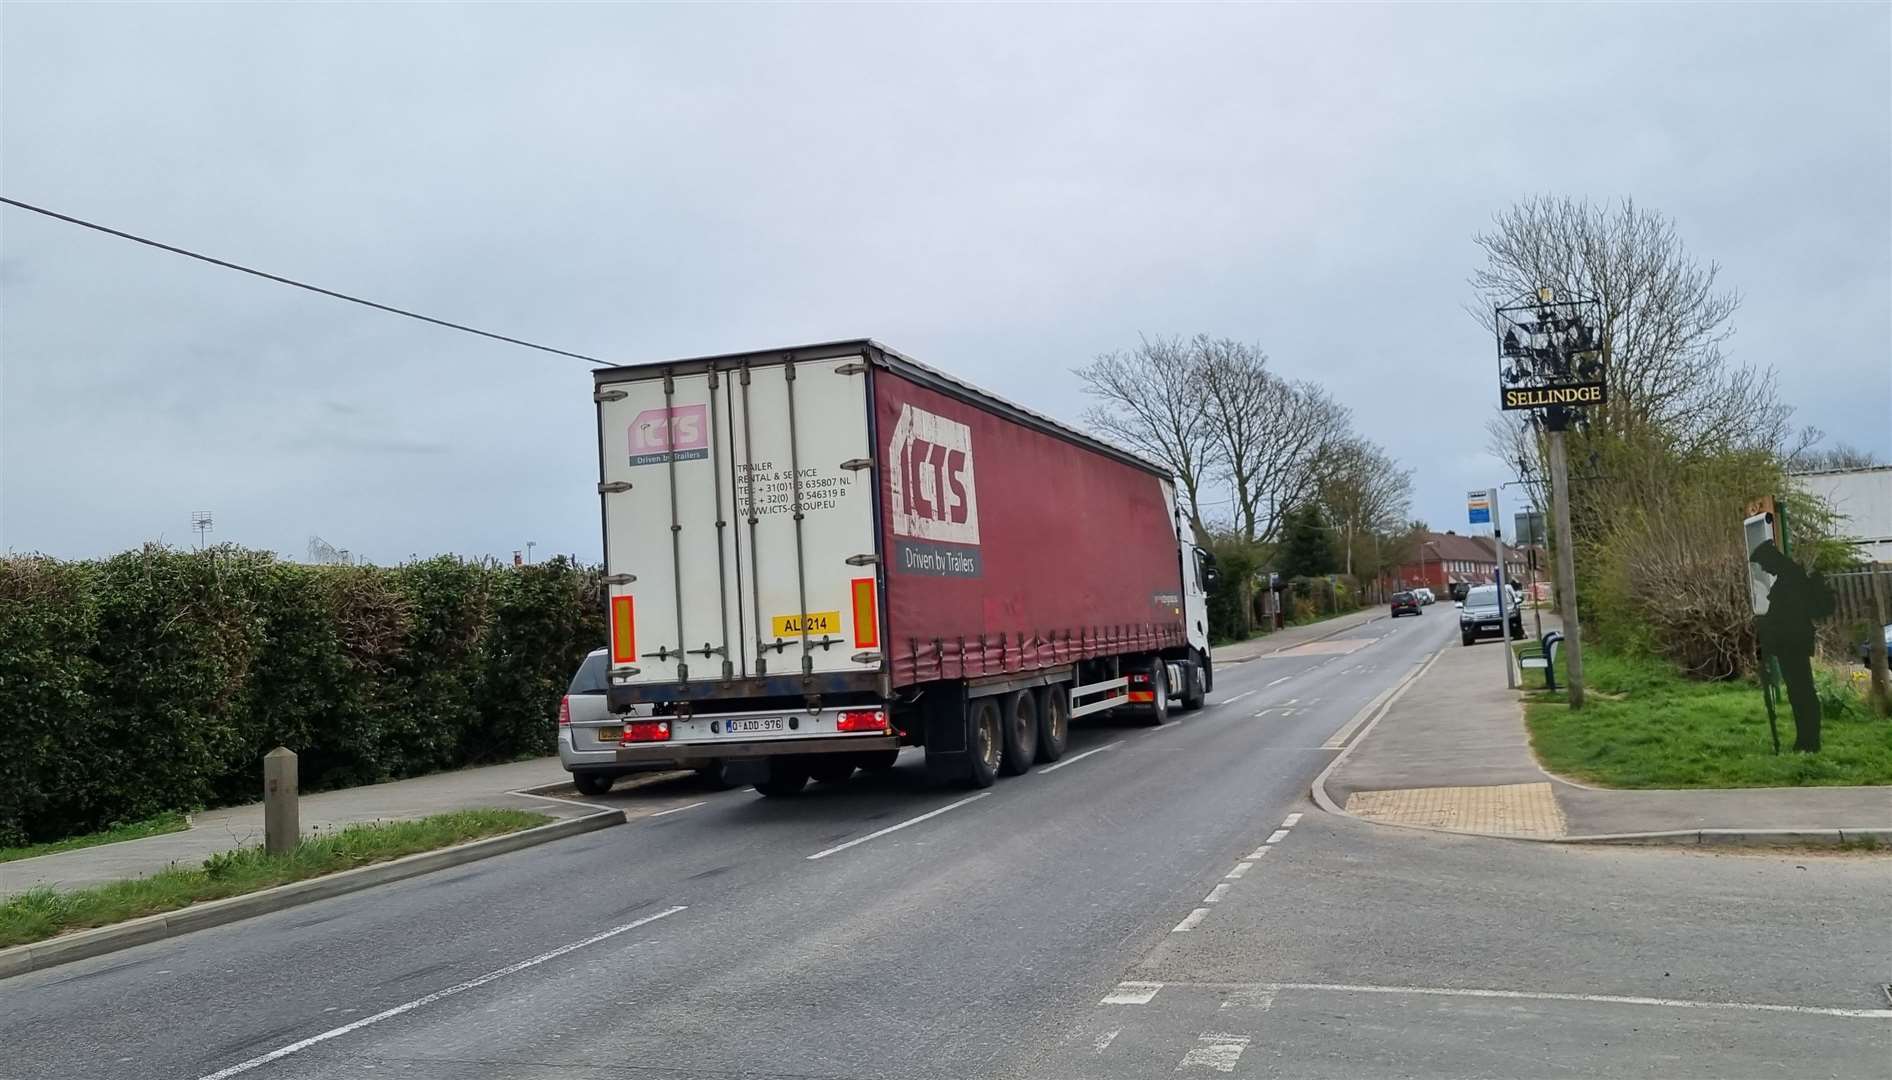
(661, 435)
(935, 502)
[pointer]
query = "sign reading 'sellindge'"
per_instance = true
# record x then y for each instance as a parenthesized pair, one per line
(1539, 397)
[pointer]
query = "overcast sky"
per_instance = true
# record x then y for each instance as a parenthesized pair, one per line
(1000, 192)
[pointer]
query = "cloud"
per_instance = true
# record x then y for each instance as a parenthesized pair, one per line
(1001, 192)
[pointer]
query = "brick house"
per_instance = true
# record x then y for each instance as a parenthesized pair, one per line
(1448, 564)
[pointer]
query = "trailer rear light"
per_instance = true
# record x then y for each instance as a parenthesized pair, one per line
(647, 731)
(870, 720)
(565, 711)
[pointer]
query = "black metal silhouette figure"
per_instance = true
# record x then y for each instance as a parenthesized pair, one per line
(1795, 602)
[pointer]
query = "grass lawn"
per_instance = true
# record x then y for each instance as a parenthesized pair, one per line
(41, 913)
(1643, 726)
(169, 821)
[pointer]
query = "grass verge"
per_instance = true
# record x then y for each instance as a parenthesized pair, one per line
(41, 913)
(168, 822)
(1644, 726)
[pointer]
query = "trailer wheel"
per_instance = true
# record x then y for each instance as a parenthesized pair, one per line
(1208, 673)
(712, 776)
(784, 777)
(832, 769)
(985, 742)
(877, 760)
(1054, 721)
(1159, 693)
(1020, 710)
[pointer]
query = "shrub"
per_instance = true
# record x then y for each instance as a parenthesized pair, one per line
(156, 680)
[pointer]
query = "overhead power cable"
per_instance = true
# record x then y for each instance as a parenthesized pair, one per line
(279, 279)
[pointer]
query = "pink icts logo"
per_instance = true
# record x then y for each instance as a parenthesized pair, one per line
(680, 433)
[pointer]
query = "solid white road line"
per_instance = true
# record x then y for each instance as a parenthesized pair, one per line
(1216, 894)
(1160, 730)
(457, 988)
(1249, 998)
(1080, 757)
(1601, 999)
(1103, 1041)
(1339, 738)
(679, 809)
(1132, 993)
(1240, 869)
(1190, 920)
(878, 833)
(1291, 822)
(1276, 836)
(1215, 1051)
(1279, 681)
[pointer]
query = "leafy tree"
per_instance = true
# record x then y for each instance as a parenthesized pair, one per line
(1306, 550)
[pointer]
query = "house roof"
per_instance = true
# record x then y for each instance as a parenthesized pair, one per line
(1456, 546)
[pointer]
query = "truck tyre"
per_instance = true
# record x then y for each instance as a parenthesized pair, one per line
(1020, 710)
(985, 742)
(1159, 694)
(877, 760)
(1194, 694)
(1208, 673)
(1054, 721)
(712, 776)
(784, 777)
(591, 783)
(831, 769)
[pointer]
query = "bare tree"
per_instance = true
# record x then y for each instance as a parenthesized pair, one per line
(1150, 400)
(1665, 320)
(1303, 425)
(1838, 456)
(1239, 395)
(1365, 494)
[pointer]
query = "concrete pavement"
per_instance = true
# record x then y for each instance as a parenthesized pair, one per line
(241, 826)
(1452, 752)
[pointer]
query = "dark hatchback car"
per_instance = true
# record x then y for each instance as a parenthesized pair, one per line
(1479, 617)
(1405, 603)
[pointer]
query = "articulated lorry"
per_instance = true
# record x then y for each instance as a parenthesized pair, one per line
(816, 556)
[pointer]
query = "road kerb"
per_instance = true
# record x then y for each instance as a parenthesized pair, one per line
(1723, 837)
(82, 944)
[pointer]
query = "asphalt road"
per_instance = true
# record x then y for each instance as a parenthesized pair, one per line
(835, 935)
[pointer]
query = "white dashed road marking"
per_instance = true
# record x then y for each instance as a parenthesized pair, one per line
(1236, 698)
(1074, 758)
(1240, 869)
(1263, 713)
(1276, 836)
(1258, 853)
(1103, 1041)
(1215, 1051)
(456, 988)
(1249, 998)
(1279, 681)
(1292, 821)
(1191, 920)
(1132, 993)
(1216, 894)
(878, 833)
(681, 809)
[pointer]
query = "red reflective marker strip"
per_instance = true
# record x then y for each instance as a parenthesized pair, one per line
(866, 615)
(623, 630)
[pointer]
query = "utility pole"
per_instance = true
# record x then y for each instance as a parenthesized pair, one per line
(1566, 568)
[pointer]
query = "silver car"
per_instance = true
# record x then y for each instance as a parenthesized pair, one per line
(589, 734)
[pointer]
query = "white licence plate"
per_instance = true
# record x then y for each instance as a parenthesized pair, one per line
(752, 724)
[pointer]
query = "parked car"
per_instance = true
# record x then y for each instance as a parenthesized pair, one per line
(1425, 596)
(589, 734)
(1405, 603)
(1865, 647)
(1480, 616)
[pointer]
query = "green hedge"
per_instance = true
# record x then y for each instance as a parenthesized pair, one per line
(157, 679)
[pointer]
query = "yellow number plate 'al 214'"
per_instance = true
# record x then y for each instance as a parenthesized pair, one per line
(818, 622)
